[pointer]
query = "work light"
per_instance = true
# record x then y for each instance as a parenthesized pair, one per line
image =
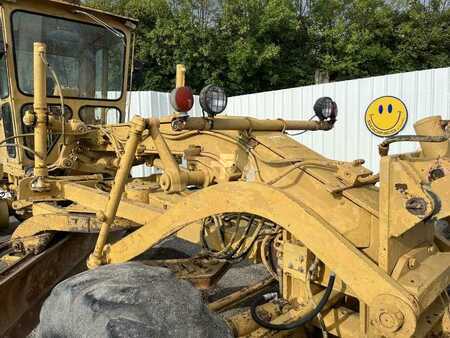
(213, 100)
(326, 109)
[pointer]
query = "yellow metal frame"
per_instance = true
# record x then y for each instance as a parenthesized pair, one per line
(380, 241)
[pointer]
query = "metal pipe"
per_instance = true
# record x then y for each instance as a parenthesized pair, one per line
(138, 125)
(432, 126)
(240, 295)
(181, 76)
(40, 184)
(180, 81)
(383, 147)
(240, 123)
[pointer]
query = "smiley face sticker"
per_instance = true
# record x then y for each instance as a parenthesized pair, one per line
(386, 116)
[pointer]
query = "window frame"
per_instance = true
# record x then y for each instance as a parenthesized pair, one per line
(5, 57)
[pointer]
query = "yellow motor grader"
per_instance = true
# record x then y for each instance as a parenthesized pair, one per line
(348, 253)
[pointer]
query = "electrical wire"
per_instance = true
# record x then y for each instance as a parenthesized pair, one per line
(133, 51)
(322, 164)
(114, 31)
(15, 137)
(2, 145)
(300, 162)
(61, 95)
(255, 156)
(302, 132)
(22, 147)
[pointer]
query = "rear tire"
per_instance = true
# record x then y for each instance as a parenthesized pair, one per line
(128, 300)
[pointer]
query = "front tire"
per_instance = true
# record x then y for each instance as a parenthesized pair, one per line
(128, 300)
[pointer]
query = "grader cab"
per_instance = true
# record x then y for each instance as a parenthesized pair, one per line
(348, 253)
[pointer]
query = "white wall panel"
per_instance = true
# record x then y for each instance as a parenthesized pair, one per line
(425, 93)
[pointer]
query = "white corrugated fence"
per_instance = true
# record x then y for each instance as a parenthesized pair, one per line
(424, 93)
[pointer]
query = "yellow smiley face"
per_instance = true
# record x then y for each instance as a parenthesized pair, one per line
(386, 116)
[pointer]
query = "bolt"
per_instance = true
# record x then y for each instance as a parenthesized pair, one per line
(431, 250)
(391, 322)
(101, 217)
(412, 263)
(165, 182)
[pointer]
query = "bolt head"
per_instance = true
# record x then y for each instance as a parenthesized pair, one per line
(101, 217)
(412, 263)
(164, 182)
(391, 322)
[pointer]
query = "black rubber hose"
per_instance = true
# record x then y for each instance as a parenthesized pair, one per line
(298, 323)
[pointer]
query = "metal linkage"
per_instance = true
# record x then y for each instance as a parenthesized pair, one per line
(138, 125)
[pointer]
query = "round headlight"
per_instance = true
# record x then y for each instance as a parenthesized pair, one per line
(326, 109)
(182, 99)
(213, 100)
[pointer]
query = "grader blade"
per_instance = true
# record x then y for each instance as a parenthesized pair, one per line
(26, 284)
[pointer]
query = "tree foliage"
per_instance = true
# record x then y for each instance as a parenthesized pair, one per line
(258, 45)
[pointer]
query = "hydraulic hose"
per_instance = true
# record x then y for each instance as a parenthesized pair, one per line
(298, 323)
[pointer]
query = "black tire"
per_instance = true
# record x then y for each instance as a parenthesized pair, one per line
(128, 300)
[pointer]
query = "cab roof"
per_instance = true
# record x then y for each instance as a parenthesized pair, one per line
(72, 5)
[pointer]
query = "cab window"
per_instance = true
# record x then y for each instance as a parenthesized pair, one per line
(89, 59)
(53, 110)
(9, 129)
(100, 115)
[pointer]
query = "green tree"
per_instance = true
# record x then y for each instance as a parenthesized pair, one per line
(267, 45)
(353, 37)
(259, 45)
(422, 36)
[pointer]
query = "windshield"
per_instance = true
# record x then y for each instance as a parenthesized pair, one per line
(88, 59)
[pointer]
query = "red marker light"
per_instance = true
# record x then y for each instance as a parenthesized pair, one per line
(182, 99)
